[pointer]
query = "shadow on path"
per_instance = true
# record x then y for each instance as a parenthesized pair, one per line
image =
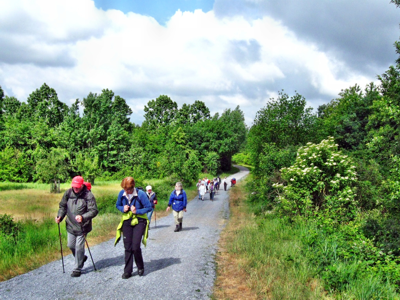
(189, 228)
(105, 263)
(159, 264)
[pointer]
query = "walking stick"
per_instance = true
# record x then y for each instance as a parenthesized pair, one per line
(88, 249)
(62, 256)
(155, 218)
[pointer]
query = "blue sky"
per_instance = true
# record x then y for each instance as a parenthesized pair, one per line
(222, 52)
(161, 10)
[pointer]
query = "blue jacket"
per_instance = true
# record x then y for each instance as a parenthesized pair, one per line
(140, 201)
(178, 202)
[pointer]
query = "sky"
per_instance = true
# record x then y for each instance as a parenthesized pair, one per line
(224, 52)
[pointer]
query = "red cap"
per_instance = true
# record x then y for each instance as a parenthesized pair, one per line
(77, 182)
(88, 185)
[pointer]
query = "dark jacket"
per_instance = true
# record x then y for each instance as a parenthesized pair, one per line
(139, 200)
(151, 198)
(178, 202)
(83, 204)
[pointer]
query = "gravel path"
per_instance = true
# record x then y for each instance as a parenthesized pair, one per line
(178, 265)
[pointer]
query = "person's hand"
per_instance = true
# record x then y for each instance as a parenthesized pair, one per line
(184, 209)
(126, 208)
(58, 219)
(78, 218)
(133, 209)
(168, 208)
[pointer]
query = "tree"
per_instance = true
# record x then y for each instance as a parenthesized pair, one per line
(106, 127)
(160, 112)
(53, 166)
(283, 122)
(193, 113)
(43, 104)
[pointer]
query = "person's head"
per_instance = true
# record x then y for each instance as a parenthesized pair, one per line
(128, 184)
(148, 189)
(77, 184)
(178, 186)
(199, 180)
(88, 185)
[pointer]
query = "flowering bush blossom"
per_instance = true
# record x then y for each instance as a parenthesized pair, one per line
(321, 179)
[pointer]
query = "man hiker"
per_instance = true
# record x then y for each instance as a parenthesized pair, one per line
(79, 205)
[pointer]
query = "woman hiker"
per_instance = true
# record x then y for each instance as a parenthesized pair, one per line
(134, 205)
(178, 201)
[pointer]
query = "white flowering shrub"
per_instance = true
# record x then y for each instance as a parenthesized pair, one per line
(321, 179)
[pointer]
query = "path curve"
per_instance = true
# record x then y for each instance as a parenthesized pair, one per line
(178, 265)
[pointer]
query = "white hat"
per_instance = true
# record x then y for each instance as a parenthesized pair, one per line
(148, 187)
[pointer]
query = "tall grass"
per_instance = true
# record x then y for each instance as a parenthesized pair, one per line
(269, 251)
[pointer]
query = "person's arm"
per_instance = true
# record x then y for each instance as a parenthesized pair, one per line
(119, 205)
(184, 199)
(62, 211)
(92, 208)
(171, 198)
(145, 203)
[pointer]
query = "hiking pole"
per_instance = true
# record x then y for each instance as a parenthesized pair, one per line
(62, 256)
(88, 248)
(155, 218)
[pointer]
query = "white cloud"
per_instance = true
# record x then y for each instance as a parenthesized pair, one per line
(76, 49)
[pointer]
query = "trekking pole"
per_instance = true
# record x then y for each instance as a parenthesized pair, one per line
(155, 218)
(88, 248)
(62, 256)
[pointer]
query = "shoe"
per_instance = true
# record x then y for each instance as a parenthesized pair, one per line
(75, 274)
(126, 275)
(176, 228)
(140, 272)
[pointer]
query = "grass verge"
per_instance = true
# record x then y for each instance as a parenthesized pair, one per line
(261, 257)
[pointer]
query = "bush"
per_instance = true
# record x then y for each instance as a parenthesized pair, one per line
(8, 227)
(322, 178)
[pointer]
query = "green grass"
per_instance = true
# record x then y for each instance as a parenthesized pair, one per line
(7, 186)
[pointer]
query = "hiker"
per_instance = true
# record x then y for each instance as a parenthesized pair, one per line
(225, 183)
(198, 185)
(153, 201)
(219, 182)
(212, 191)
(79, 205)
(178, 201)
(134, 205)
(202, 191)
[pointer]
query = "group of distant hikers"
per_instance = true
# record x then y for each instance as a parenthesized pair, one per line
(78, 206)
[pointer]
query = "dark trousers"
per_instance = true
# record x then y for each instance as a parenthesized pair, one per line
(225, 184)
(132, 239)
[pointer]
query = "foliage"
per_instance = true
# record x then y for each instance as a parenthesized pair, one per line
(211, 162)
(14, 165)
(53, 166)
(283, 122)
(322, 178)
(8, 227)
(242, 158)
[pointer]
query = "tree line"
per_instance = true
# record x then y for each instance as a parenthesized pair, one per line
(44, 140)
(337, 172)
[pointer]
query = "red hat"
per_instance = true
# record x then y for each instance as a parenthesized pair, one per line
(88, 185)
(77, 182)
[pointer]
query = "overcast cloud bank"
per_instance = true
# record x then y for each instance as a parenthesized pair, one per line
(239, 53)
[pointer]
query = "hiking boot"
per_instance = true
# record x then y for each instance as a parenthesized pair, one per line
(140, 272)
(180, 226)
(126, 275)
(176, 228)
(75, 274)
